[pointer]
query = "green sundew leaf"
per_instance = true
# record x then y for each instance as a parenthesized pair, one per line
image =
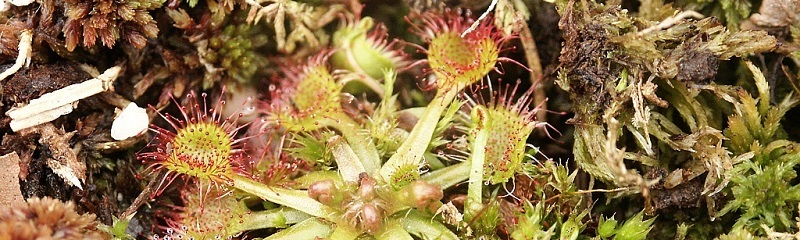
(404, 175)
(634, 228)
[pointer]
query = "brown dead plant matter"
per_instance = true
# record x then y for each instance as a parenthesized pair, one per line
(624, 72)
(47, 218)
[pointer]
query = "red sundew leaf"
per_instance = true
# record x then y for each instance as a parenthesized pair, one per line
(200, 144)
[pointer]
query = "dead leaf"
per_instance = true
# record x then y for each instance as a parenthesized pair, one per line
(10, 192)
(775, 13)
(63, 159)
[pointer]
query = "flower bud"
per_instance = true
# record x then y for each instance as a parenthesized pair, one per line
(325, 192)
(371, 218)
(420, 194)
(366, 188)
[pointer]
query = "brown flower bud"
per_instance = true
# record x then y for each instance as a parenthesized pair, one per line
(325, 192)
(371, 218)
(420, 194)
(366, 188)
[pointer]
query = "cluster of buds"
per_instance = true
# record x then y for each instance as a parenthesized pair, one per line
(365, 205)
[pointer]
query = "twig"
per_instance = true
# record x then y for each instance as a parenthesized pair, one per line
(478, 22)
(23, 56)
(54, 104)
(146, 194)
(535, 64)
(670, 21)
(604, 190)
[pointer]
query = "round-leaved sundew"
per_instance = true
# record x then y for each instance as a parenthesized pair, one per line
(307, 97)
(457, 54)
(363, 49)
(510, 122)
(202, 144)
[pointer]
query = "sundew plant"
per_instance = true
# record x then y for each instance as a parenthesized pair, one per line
(347, 119)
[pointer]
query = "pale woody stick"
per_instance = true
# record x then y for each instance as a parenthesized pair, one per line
(24, 54)
(54, 104)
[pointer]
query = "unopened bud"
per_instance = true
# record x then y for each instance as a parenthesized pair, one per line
(371, 218)
(420, 194)
(366, 188)
(325, 192)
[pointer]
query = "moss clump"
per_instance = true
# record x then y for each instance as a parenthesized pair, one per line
(45, 218)
(108, 21)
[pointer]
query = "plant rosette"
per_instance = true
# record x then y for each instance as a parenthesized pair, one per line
(201, 145)
(458, 58)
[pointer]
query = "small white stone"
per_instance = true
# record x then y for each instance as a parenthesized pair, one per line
(131, 121)
(4, 6)
(20, 3)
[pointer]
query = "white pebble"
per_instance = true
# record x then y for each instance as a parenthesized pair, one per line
(131, 122)
(20, 3)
